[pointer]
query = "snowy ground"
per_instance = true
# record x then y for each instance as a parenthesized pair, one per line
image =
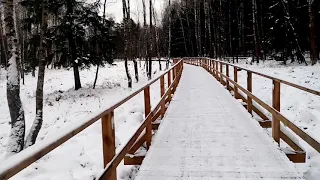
(300, 107)
(80, 157)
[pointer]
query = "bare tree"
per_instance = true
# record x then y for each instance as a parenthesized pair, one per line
(17, 133)
(169, 42)
(37, 123)
(150, 50)
(313, 50)
(125, 32)
(103, 21)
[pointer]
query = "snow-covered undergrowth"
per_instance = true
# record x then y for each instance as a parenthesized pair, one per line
(81, 156)
(300, 107)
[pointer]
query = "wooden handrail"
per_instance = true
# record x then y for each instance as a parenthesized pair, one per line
(117, 159)
(274, 109)
(18, 162)
(312, 91)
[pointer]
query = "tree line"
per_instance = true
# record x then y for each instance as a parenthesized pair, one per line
(39, 34)
(277, 29)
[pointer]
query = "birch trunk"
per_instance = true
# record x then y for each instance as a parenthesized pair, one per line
(17, 133)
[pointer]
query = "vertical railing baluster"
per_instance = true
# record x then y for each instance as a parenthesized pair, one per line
(217, 70)
(276, 105)
(249, 88)
(169, 84)
(108, 140)
(147, 110)
(235, 79)
(162, 91)
(227, 74)
(221, 72)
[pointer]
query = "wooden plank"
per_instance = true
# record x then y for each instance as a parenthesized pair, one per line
(108, 140)
(155, 126)
(162, 90)
(292, 144)
(276, 106)
(249, 88)
(147, 110)
(265, 124)
(133, 160)
(297, 158)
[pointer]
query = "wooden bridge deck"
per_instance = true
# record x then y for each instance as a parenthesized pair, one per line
(206, 134)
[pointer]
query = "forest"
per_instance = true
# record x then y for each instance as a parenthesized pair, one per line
(261, 29)
(73, 34)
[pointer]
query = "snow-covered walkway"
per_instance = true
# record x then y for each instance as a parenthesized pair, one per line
(206, 134)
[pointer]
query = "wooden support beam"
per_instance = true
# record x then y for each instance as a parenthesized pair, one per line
(297, 158)
(265, 124)
(108, 140)
(133, 160)
(155, 125)
(276, 106)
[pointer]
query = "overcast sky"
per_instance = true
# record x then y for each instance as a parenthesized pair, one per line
(114, 8)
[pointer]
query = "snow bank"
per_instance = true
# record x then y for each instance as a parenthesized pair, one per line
(80, 157)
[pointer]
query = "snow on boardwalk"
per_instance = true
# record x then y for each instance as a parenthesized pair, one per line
(207, 134)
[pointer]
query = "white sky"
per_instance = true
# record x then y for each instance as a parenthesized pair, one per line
(114, 8)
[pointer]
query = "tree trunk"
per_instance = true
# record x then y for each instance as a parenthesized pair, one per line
(37, 123)
(125, 21)
(151, 40)
(255, 31)
(3, 41)
(313, 49)
(169, 43)
(72, 45)
(103, 22)
(17, 133)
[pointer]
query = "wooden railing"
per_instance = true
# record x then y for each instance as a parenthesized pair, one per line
(216, 68)
(25, 158)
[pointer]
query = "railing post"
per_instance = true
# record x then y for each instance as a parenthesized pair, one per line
(213, 68)
(217, 70)
(147, 110)
(169, 84)
(276, 105)
(249, 88)
(221, 71)
(162, 110)
(173, 74)
(235, 79)
(108, 140)
(227, 74)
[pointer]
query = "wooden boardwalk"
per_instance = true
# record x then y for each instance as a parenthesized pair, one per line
(206, 134)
